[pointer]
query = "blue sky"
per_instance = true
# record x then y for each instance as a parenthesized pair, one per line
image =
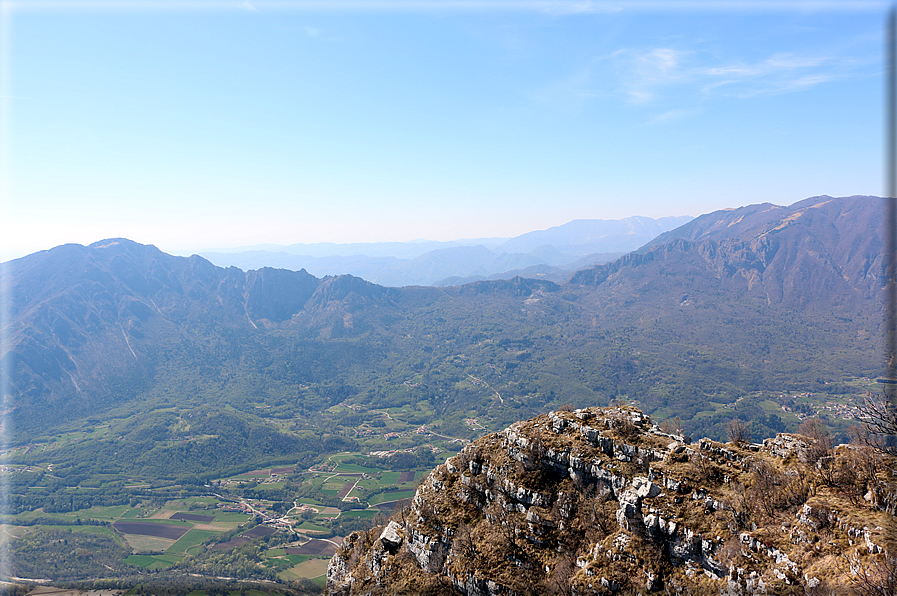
(218, 124)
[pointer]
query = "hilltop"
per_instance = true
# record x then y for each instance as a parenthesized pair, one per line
(603, 501)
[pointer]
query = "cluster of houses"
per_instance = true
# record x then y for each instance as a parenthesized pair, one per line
(269, 518)
(474, 424)
(366, 432)
(845, 411)
(391, 452)
(382, 454)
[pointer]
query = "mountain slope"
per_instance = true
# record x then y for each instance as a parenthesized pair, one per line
(94, 326)
(812, 243)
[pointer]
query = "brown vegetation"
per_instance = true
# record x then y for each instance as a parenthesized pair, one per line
(563, 504)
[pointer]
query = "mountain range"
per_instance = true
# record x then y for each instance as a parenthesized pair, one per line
(553, 254)
(758, 298)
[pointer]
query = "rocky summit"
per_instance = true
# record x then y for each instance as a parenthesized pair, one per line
(603, 501)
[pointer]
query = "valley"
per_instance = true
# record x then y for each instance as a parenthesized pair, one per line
(198, 422)
(285, 515)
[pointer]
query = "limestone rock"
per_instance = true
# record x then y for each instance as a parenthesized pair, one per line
(600, 501)
(391, 537)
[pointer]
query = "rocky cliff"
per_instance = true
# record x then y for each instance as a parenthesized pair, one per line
(602, 501)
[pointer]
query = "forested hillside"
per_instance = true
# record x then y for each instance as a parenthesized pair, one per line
(758, 299)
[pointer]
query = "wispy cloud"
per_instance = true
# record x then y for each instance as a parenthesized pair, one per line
(647, 74)
(312, 32)
(674, 83)
(674, 114)
(644, 73)
(780, 73)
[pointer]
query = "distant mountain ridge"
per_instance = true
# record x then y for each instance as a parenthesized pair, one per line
(553, 254)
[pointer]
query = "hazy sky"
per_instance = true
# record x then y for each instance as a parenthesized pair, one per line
(215, 124)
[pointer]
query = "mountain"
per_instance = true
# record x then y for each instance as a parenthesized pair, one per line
(760, 299)
(815, 255)
(94, 326)
(603, 501)
(560, 250)
(588, 236)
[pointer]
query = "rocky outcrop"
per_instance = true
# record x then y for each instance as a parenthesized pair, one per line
(601, 501)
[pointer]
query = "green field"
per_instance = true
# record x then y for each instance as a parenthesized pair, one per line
(310, 526)
(170, 522)
(312, 568)
(191, 540)
(99, 530)
(355, 469)
(153, 562)
(270, 486)
(363, 513)
(310, 502)
(389, 478)
(101, 513)
(391, 496)
(291, 559)
(184, 504)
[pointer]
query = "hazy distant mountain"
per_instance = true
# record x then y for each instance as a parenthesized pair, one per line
(555, 252)
(588, 236)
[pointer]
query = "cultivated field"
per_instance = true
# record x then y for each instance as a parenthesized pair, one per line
(169, 531)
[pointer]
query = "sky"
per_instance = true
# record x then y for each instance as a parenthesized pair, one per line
(200, 125)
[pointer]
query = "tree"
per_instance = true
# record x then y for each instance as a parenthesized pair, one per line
(738, 431)
(815, 429)
(877, 579)
(465, 545)
(879, 417)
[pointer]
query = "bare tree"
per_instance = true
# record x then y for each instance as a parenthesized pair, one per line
(503, 524)
(879, 419)
(742, 508)
(815, 429)
(738, 431)
(672, 426)
(465, 545)
(766, 481)
(877, 579)
(562, 577)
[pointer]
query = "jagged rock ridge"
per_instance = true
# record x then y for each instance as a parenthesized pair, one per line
(601, 501)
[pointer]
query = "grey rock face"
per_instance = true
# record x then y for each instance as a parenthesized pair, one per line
(391, 537)
(526, 487)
